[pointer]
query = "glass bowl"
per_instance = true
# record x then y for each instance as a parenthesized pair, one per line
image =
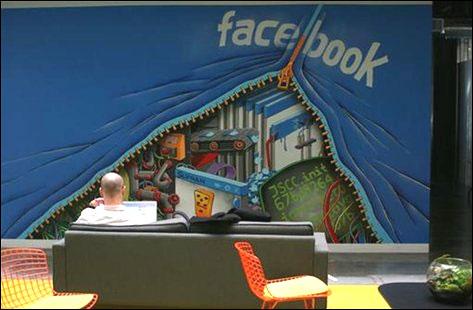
(449, 279)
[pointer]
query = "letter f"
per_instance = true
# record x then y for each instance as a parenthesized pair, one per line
(225, 26)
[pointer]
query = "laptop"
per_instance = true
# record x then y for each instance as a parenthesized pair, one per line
(148, 210)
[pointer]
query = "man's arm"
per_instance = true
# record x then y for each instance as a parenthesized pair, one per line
(96, 202)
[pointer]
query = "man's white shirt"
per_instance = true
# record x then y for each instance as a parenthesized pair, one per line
(113, 215)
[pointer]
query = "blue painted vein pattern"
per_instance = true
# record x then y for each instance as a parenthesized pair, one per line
(83, 86)
(381, 137)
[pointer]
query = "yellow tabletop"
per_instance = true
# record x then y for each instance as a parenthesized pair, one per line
(356, 297)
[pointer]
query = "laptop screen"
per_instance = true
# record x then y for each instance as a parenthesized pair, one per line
(146, 209)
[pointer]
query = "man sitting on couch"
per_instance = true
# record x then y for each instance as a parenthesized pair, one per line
(109, 210)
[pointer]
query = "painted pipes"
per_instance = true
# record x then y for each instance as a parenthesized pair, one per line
(240, 120)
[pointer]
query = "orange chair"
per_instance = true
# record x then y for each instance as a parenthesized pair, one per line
(271, 292)
(27, 284)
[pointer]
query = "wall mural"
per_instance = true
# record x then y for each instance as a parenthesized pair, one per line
(310, 112)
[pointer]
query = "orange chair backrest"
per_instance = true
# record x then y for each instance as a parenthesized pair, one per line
(25, 277)
(252, 268)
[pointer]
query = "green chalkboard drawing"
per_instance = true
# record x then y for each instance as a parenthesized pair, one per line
(297, 193)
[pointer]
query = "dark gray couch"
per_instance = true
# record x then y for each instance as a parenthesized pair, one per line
(165, 266)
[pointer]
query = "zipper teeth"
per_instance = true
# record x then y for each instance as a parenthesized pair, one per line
(210, 111)
(328, 145)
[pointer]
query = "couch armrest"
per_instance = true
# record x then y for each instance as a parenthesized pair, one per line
(321, 264)
(59, 266)
(320, 257)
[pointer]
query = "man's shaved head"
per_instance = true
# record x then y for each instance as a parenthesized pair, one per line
(111, 184)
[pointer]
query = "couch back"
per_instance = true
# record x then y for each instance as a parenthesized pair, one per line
(174, 270)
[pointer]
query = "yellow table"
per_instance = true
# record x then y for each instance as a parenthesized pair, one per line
(356, 297)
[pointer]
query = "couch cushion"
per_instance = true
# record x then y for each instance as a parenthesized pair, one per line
(176, 225)
(256, 228)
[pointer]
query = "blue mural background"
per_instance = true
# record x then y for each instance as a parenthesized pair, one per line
(83, 86)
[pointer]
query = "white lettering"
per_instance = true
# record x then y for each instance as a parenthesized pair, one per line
(281, 35)
(312, 36)
(358, 56)
(259, 40)
(350, 60)
(247, 27)
(225, 26)
(323, 39)
(369, 64)
(339, 48)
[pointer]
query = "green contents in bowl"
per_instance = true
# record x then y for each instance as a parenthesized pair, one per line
(449, 279)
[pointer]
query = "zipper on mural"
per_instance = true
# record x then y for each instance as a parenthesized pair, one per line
(328, 148)
(80, 201)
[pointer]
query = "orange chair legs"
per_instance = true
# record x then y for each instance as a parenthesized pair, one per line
(268, 305)
(308, 304)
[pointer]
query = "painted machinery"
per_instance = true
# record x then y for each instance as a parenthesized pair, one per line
(151, 177)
